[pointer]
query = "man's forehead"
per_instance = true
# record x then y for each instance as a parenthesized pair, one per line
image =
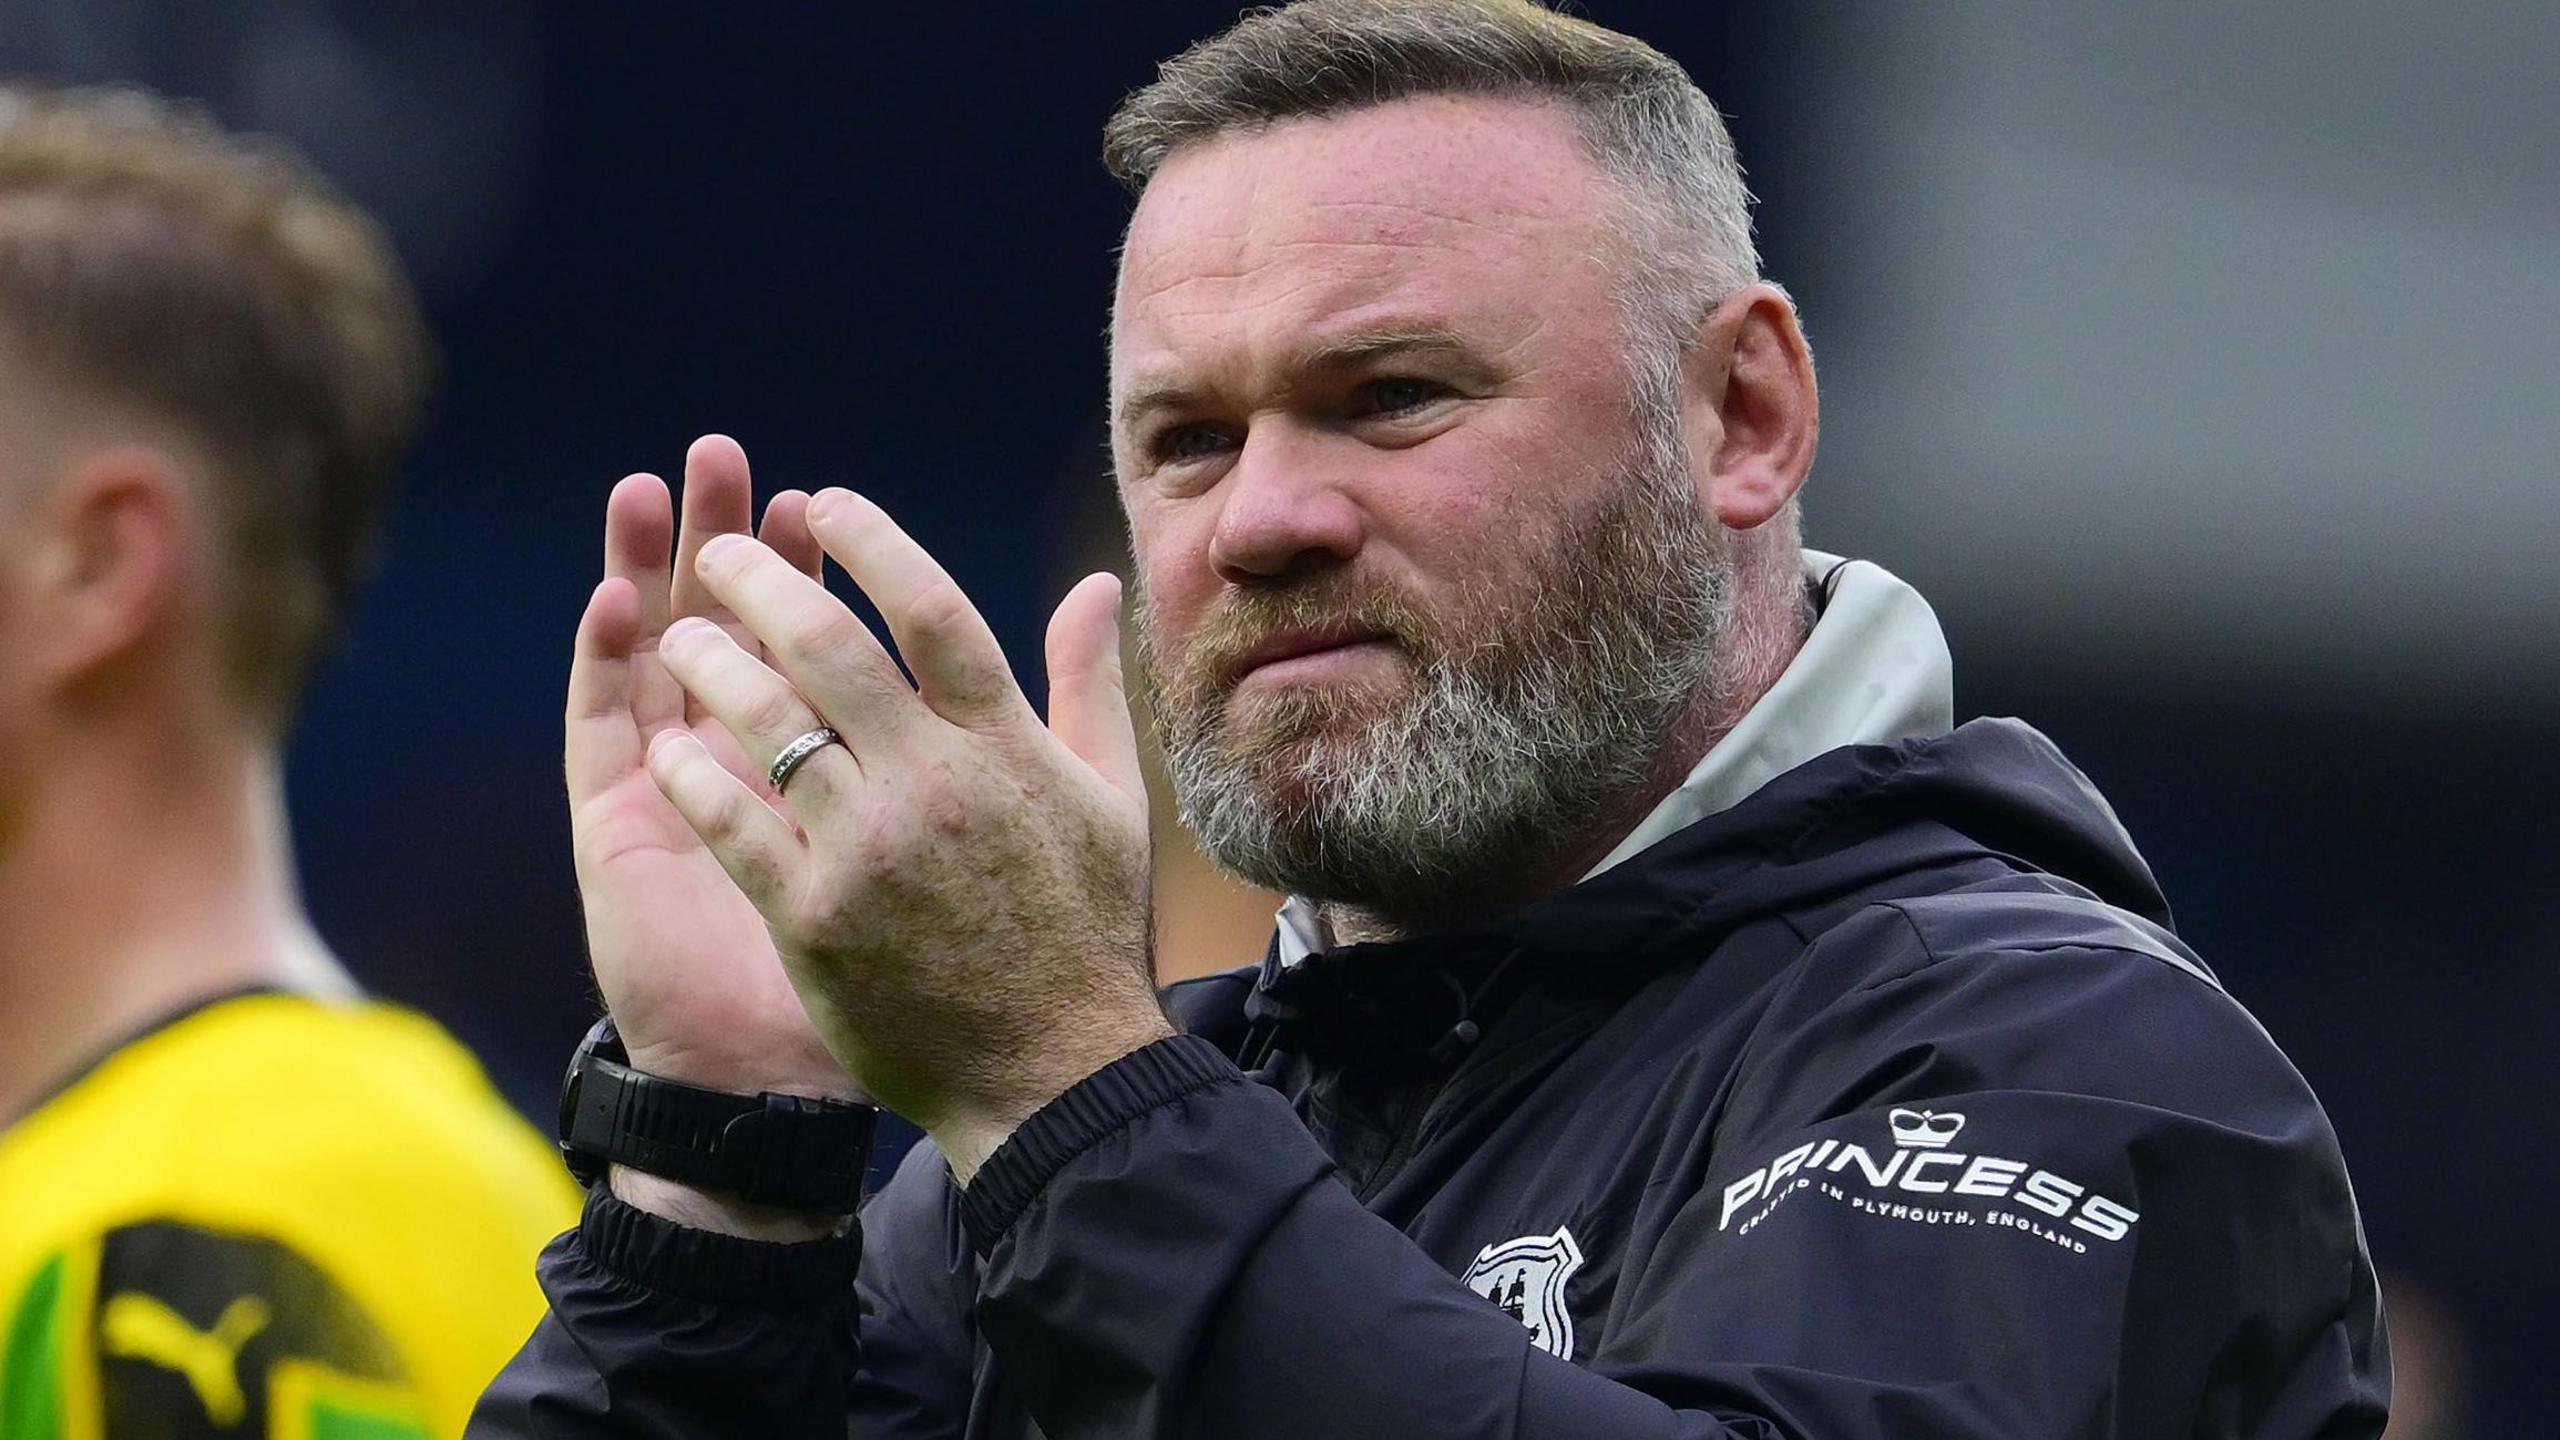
(1417, 204)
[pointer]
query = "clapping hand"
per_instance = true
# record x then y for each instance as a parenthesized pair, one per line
(686, 964)
(956, 891)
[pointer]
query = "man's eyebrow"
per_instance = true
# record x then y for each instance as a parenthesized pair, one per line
(1336, 352)
(1149, 396)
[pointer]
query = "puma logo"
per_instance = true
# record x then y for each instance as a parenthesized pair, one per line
(142, 1328)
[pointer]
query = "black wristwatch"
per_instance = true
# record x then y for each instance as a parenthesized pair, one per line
(786, 1150)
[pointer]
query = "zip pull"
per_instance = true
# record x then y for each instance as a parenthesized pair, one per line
(1460, 1036)
(1464, 1034)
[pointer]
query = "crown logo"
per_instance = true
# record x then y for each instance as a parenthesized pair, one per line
(1925, 1129)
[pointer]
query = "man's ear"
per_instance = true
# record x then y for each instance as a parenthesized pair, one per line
(1752, 412)
(106, 549)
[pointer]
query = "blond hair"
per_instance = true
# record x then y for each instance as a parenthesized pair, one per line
(217, 283)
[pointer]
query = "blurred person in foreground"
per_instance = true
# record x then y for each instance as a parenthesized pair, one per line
(1679, 1027)
(236, 1198)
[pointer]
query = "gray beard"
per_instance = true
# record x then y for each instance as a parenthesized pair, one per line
(1533, 712)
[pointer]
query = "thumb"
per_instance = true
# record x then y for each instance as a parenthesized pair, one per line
(1088, 701)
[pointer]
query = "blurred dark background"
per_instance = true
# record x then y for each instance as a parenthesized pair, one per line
(2203, 368)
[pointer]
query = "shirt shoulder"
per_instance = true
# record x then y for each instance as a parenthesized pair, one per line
(2025, 985)
(266, 1098)
(2044, 1114)
(357, 1139)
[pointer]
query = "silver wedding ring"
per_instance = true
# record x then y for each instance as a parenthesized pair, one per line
(797, 752)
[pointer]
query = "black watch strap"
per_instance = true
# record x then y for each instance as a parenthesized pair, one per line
(785, 1150)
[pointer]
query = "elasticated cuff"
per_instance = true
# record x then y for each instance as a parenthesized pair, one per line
(1097, 1106)
(715, 1269)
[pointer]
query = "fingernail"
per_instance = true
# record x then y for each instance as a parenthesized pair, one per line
(684, 631)
(719, 547)
(828, 501)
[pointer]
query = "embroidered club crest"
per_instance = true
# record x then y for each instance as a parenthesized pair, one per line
(1526, 1277)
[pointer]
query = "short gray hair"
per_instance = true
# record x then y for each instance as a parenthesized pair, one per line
(1685, 239)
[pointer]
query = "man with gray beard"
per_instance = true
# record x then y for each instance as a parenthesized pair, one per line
(1540, 701)
(1678, 1026)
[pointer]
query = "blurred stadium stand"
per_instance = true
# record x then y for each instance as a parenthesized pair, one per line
(2202, 366)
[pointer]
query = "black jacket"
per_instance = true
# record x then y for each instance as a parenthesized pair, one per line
(1881, 1106)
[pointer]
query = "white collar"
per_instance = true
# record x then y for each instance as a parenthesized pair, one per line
(1873, 670)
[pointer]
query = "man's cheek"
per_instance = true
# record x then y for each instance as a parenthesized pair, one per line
(1169, 661)
(1169, 591)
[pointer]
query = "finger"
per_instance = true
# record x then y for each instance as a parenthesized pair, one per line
(757, 847)
(719, 499)
(639, 525)
(602, 739)
(1088, 699)
(830, 656)
(760, 710)
(639, 528)
(786, 533)
(959, 667)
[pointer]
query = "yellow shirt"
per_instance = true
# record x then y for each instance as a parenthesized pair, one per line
(275, 1217)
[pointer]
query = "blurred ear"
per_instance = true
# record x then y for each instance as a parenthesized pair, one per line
(1752, 412)
(104, 552)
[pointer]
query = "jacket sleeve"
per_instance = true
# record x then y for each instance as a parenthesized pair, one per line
(1168, 1253)
(661, 1332)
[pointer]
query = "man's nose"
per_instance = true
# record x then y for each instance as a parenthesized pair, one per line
(1284, 511)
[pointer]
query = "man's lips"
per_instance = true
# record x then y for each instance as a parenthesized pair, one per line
(1292, 645)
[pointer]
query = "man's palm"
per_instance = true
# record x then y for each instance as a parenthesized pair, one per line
(684, 961)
